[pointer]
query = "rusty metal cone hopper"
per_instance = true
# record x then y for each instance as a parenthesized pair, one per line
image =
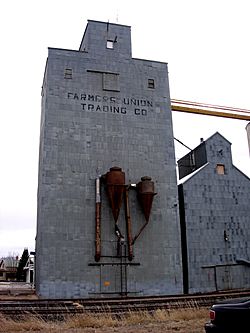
(145, 192)
(115, 184)
(115, 194)
(146, 200)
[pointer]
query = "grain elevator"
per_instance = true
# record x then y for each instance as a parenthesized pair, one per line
(107, 220)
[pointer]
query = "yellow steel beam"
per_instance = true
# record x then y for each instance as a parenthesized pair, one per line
(210, 112)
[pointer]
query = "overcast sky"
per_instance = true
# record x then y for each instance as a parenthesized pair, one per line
(205, 43)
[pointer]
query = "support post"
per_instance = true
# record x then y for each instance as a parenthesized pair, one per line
(98, 220)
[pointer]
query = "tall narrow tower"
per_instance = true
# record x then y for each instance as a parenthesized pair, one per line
(107, 197)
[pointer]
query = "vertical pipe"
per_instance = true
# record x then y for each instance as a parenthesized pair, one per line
(98, 220)
(125, 270)
(121, 271)
(129, 226)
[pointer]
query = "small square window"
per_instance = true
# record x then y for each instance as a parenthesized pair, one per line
(110, 82)
(68, 73)
(220, 169)
(151, 83)
(110, 44)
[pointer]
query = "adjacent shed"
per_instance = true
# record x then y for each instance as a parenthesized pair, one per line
(214, 203)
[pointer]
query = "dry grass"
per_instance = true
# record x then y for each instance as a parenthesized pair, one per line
(28, 325)
(182, 321)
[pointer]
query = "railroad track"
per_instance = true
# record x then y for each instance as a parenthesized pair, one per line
(58, 309)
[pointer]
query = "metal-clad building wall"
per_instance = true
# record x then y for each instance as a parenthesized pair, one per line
(101, 108)
(217, 222)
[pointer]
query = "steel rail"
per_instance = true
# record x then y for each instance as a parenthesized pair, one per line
(59, 309)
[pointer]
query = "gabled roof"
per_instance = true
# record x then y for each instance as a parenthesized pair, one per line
(194, 173)
(215, 134)
(242, 173)
(9, 262)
